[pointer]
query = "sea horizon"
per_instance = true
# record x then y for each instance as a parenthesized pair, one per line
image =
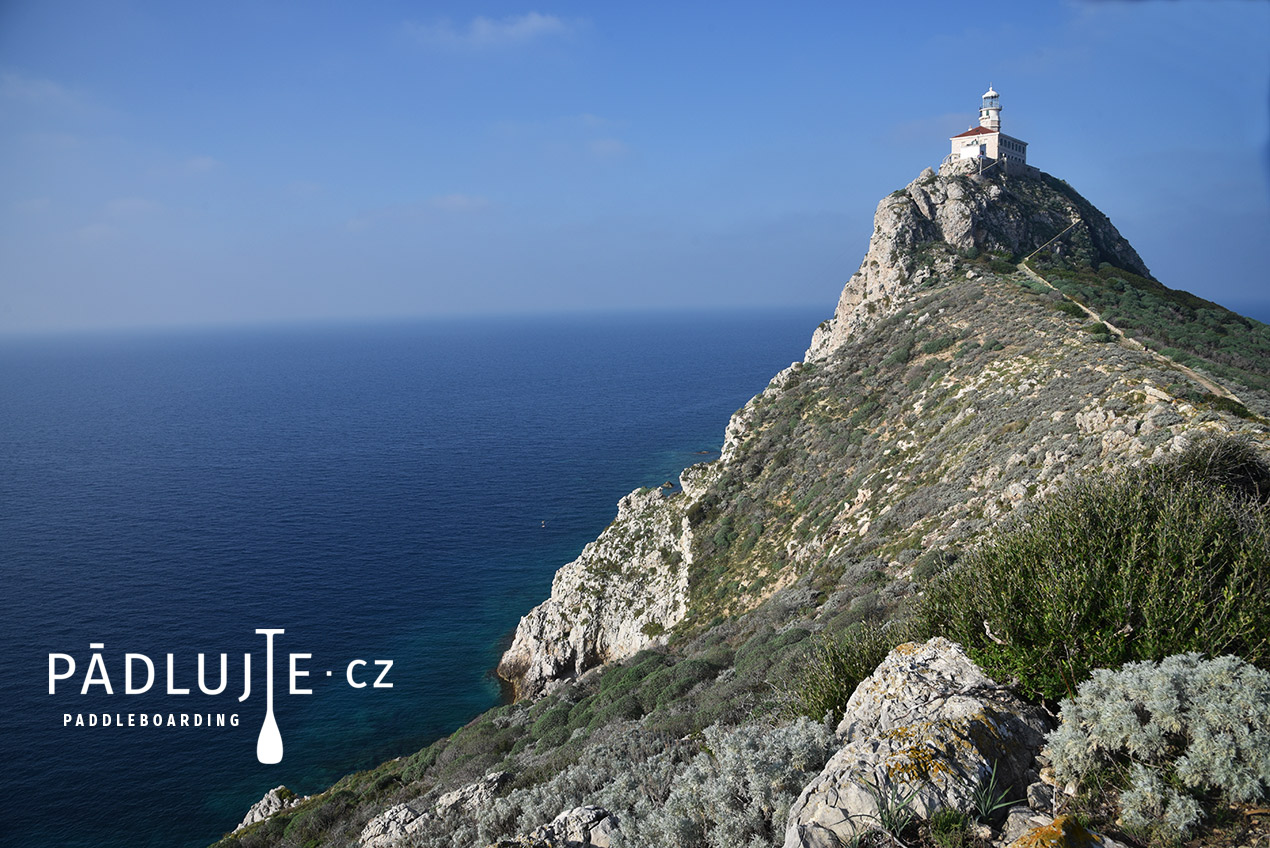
(400, 492)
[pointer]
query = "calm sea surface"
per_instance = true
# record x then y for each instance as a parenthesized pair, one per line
(397, 493)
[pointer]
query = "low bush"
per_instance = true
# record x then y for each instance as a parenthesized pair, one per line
(949, 828)
(1069, 308)
(940, 344)
(737, 791)
(1172, 733)
(1134, 566)
(833, 667)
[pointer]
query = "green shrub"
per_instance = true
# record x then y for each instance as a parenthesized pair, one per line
(1183, 726)
(931, 564)
(949, 828)
(417, 764)
(625, 707)
(941, 343)
(833, 666)
(551, 719)
(670, 684)
(1069, 308)
(1231, 463)
(314, 820)
(1112, 569)
(903, 351)
(1226, 404)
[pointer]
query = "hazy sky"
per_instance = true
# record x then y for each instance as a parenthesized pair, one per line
(240, 162)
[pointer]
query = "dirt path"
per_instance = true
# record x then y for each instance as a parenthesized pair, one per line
(1131, 342)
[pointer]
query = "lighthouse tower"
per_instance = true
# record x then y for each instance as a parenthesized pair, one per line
(986, 143)
(990, 111)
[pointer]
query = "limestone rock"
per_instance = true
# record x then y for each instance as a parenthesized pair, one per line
(578, 827)
(621, 595)
(392, 825)
(1040, 797)
(603, 832)
(1064, 832)
(1018, 821)
(473, 795)
(929, 724)
(278, 798)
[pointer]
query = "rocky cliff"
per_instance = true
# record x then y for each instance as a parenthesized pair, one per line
(1012, 217)
(949, 388)
(1000, 340)
(624, 592)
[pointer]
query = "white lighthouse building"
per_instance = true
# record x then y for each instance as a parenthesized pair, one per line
(986, 141)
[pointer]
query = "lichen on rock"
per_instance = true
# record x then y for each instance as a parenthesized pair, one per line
(928, 726)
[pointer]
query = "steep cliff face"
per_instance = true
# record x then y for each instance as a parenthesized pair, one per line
(948, 390)
(624, 592)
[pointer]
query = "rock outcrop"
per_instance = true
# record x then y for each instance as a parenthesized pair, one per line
(579, 827)
(938, 353)
(1063, 832)
(927, 727)
(278, 798)
(474, 794)
(1007, 215)
(396, 823)
(622, 594)
(393, 825)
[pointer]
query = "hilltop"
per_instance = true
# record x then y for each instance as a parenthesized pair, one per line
(1000, 343)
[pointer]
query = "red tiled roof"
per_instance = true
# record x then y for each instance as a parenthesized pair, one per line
(976, 131)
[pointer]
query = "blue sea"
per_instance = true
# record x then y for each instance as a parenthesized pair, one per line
(397, 493)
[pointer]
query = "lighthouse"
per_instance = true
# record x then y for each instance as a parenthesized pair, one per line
(986, 141)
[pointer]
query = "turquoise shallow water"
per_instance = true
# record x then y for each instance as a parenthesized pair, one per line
(395, 492)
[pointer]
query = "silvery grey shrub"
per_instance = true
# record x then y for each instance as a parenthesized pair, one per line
(1184, 723)
(735, 790)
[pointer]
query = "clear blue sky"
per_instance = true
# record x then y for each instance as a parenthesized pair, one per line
(165, 163)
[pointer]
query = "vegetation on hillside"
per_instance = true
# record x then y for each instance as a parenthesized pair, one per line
(1166, 559)
(1132, 566)
(1186, 328)
(945, 468)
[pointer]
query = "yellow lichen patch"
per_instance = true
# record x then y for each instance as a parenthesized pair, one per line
(917, 762)
(907, 649)
(1063, 832)
(916, 758)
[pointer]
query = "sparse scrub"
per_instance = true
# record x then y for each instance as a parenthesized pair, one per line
(736, 792)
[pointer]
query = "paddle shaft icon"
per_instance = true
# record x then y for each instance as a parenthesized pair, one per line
(269, 742)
